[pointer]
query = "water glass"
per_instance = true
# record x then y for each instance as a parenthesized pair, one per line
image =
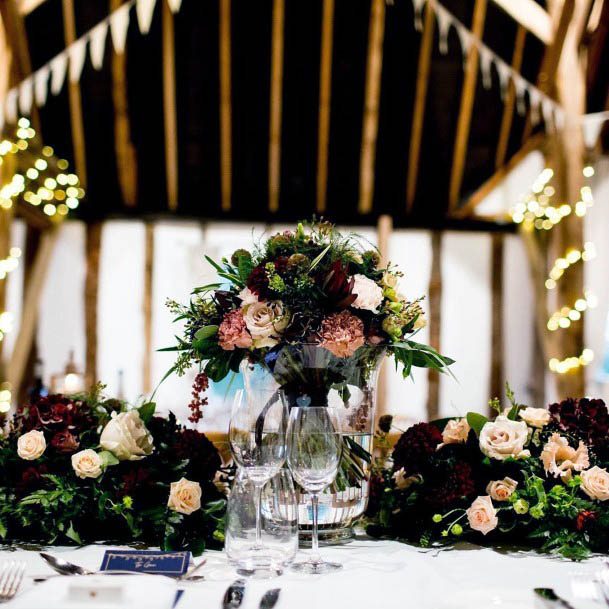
(278, 525)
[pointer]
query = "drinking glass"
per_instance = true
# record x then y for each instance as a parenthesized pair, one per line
(257, 436)
(314, 450)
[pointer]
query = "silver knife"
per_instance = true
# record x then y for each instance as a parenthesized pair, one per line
(233, 597)
(552, 599)
(270, 598)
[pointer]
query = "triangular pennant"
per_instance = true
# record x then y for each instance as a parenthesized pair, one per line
(10, 107)
(591, 128)
(465, 38)
(520, 87)
(58, 72)
(534, 101)
(76, 52)
(97, 44)
(41, 83)
(174, 5)
(546, 111)
(444, 22)
(504, 72)
(144, 10)
(559, 117)
(486, 59)
(418, 14)
(119, 24)
(26, 94)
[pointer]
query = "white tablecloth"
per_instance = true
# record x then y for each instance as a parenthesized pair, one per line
(376, 574)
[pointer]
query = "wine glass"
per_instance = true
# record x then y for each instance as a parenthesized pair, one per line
(257, 436)
(314, 450)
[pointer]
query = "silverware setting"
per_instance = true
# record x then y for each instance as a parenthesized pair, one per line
(270, 598)
(11, 577)
(233, 597)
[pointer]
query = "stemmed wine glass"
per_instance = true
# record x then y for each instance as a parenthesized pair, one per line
(257, 436)
(314, 450)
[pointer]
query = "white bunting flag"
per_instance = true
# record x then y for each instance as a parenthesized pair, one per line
(77, 51)
(58, 72)
(520, 87)
(10, 106)
(175, 5)
(444, 23)
(418, 14)
(144, 10)
(546, 111)
(119, 24)
(41, 83)
(591, 128)
(486, 59)
(534, 100)
(465, 38)
(26, 94)
(504, 72)
(97, 44)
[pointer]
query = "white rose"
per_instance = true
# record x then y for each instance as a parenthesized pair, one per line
(87, 464)
(503, 438)
(595, 483)
(455, 432)
(501, 490)
(247, 297)
(126, 437)
(265, 321)
(369, 293)
(31, 445)
(184, 496)
(482, 516)
(535, 417)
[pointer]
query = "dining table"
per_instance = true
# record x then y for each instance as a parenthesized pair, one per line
(376, 574)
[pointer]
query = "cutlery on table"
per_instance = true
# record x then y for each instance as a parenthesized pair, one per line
(63, 567)
(270, 598)
(11, 576)
(233, 597)
(552, 599)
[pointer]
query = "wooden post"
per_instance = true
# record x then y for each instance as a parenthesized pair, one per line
(384, 228)
(325, 90)
(147, 306)
(371, 105)
(93, 250)
(435, 322)
(497, 345)
(226, 170)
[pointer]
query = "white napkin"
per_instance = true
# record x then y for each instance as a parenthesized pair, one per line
(137, 592)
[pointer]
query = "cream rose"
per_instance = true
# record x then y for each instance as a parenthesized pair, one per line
(503, 438)
(369, 293)
(184, 496)
(595, 483)
(87, 464)
(456, 431)
(390, 280)
(560, 459)
(482, 516)
(535, 417)
(247, 297)
(402, 481)
(31, 445)
(500, 490)
(126, 437)
(265, 322)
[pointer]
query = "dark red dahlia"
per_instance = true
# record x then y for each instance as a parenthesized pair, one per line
(584, 418)
(585, 519)
(258, 282)
(65, 442)
(450, 485)
(415, 446)
(203, 456)
(135, 479)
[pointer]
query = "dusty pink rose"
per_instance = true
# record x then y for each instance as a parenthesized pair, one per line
(456, 431)
(342, 333)
(482, 516)
(501, 490)
(233, 332)
(560, 459)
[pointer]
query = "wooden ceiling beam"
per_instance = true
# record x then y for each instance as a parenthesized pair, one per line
(27, 6)
(531, 16)
(226, 154)
(169, 106)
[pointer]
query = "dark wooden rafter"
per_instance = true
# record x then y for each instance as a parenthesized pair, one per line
(435, 322)
(372, 94)
(276, 103)
(325, 91)
(468, 93)
(75, 98)
(418, 116)
(126, 156)
(226, 163)
(92, 252)
(497, 342)
(169, 106)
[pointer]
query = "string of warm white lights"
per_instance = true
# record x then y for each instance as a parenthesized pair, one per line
(536, 212)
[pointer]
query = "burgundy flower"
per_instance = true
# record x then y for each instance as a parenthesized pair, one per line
(258, 282)
(199, 387)
(586, 419)
(338, 287)
(30, 478)
(134, 480)
(415, 446)
(200, 451)
(450, 485)
(585, 519)
(65, 442)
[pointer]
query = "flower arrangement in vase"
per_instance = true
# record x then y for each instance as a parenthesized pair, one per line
(310, 312)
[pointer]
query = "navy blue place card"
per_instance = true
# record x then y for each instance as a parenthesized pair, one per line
(172, 564)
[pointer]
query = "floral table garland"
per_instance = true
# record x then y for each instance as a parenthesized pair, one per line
(87, 468)
(531, 476)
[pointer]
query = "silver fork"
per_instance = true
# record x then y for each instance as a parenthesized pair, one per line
(11, 577)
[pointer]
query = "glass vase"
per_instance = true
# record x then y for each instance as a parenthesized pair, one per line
(310, 375)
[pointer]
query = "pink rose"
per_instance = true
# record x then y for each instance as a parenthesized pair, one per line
(482, 516)
(233, 332)
(501, 490)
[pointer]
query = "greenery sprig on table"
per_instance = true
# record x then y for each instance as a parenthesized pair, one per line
(87, 468)
(531, 476)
